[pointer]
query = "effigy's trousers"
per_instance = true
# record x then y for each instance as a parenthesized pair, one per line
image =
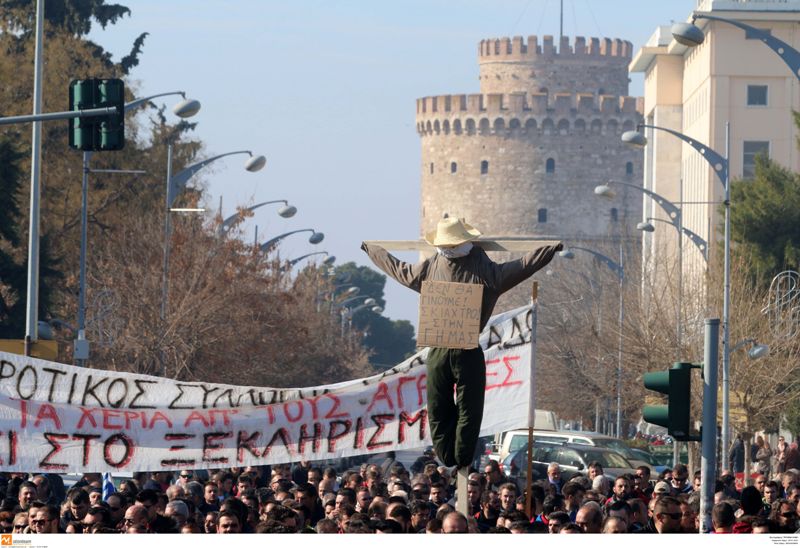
(455, 422)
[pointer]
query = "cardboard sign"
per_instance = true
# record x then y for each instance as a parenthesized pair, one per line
(449, 314)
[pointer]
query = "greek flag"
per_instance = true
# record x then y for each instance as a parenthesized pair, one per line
(108, 486)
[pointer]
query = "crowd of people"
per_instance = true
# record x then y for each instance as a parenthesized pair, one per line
(388, 498)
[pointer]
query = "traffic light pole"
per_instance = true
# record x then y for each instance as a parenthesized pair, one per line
(65, 115)
(708, 462)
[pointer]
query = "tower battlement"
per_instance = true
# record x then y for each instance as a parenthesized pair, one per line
(525, 103)
(516, 49)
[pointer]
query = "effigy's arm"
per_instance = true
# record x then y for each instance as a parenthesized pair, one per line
(510, 244)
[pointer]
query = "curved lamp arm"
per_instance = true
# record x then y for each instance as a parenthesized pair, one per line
(698, 241)
(179, 180)
(129, 106)
(671, 209)
(307, 255)
(266, 246)
(717, 161)
(610, 263)
(226, 224)
(787, 53)
(367, 300)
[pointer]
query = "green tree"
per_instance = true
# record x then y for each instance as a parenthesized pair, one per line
(389, 341)
(765, 218)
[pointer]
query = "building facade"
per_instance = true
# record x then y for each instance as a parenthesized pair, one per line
(731, 79)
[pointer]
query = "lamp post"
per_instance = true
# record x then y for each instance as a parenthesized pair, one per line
(32, 312)
(347, 313)
(315, 238)
(618, 268)
(175, 184)
(691, 36)
(720, 165)
(327, 261)
(185, 109)
(596, 299)
(286, 212)
(696, 239)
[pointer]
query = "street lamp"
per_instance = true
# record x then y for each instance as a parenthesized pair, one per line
(327, 261)
(756, 350)
(315, 238)
(721, 166)
(696, 239)
(616, 267)
(691, 35)
(177, 183)
(286, 212)
(347, 313)
(184, 109)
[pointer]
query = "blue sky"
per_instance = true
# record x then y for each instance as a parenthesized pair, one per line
(326, 90)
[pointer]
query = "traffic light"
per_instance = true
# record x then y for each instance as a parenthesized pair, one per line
(97, 132)
(676, 383)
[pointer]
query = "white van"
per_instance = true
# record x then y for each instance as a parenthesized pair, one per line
(544, 421)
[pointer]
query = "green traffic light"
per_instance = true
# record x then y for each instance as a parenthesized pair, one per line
(676, 383)
(97, 133)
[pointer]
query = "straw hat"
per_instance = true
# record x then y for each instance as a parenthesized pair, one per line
(451, 231)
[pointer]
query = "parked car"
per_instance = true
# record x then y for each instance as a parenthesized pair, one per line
(572, 458)
(656, 466)
(517, 439)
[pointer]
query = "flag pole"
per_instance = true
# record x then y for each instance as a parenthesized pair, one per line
(531, 401)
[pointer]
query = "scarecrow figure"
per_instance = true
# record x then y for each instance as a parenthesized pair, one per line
(455, 425)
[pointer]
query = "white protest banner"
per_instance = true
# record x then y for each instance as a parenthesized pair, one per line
(374, 415)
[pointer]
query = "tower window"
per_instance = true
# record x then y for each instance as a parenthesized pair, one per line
(484, 167)
(550, 166)
(614, 215)
(431, 168)
(453, 167)
(542, 215)
(629, 168)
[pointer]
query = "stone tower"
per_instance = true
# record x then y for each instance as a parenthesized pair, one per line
(522, 157)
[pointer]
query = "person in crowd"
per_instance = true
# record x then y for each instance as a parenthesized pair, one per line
(494, 476)
(680, 479)
(689, 514)
(554, 477)
(594, 469)
(723, 518)
(613, 524)
(45, 520)
(762, 459)
(590, 517)
(641, 483)
(772, 492)
(667, 515)
(736, 455)
(228, 523)
(784, 515)
(780, 455)
(454, 522)
(573, 493)
(508, 497)
(621, 491)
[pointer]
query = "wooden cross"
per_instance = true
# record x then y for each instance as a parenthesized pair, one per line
(512, 244)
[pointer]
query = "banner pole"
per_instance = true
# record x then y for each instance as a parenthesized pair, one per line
(531, 401)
